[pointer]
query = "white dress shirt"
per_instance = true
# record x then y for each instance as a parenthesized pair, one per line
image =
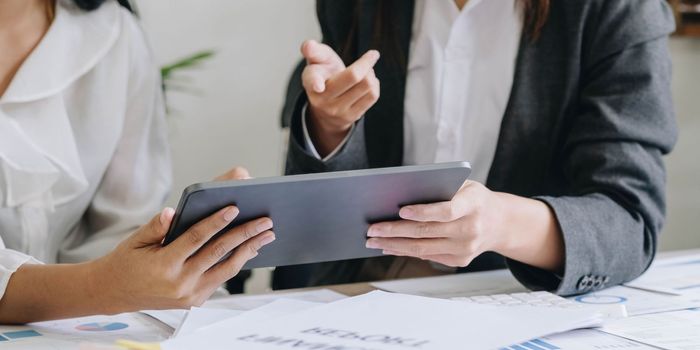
(84, 158)
(460, 74)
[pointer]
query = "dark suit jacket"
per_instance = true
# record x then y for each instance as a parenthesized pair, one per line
(589, 118)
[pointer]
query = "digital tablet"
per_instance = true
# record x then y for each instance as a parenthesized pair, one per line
(320, 217)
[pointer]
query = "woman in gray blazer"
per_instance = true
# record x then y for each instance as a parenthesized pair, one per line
(562, 107)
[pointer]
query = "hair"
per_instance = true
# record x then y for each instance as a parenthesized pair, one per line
(384, 37)
(89, 5)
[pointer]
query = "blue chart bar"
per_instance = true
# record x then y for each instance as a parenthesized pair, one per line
(545, 345)
(537, 344)
(21, 334)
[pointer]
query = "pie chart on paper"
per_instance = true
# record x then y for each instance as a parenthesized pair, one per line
(102, 326)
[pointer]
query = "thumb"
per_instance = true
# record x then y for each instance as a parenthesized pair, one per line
(317, 53)
(155, 230)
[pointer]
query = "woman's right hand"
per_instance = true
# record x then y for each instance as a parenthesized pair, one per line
(141, 274)
(338, 96)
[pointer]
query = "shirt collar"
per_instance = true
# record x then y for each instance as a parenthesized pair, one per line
(74, 44)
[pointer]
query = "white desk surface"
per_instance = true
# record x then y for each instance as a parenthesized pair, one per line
(347, 289)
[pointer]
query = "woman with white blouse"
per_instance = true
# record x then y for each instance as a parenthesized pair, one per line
(84, 161)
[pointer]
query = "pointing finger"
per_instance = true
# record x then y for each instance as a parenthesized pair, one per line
(354, 74)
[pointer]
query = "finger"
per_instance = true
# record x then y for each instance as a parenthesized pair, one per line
(155, 230)
(314, 77)
(368, 86)
(435, 212)
(234, 263)
(408, 229)
(237, 173)
(352, 75)
(217, 248)
(199, 234)
(413, 247)
(365, 103)
(317, 53)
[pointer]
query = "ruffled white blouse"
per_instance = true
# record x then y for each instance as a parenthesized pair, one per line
(84, 158)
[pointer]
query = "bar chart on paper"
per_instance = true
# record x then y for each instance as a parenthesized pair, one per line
(535, 344)
(584, 339)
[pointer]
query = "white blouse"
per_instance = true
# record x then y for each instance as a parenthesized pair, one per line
(460, 73)
(84, 158)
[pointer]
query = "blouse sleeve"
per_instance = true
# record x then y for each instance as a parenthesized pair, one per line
(138, 178)
(10, 261)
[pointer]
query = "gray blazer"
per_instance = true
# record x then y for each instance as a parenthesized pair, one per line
(589, 119)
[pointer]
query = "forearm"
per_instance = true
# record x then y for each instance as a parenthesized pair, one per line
(530, 233)
(44, 292)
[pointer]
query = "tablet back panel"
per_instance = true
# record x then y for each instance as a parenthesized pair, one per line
(320, 217)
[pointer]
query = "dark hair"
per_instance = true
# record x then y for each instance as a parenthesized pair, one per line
(89, 5)
(384, 37)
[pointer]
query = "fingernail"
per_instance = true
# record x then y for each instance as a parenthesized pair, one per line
(375, 54)
(406, 213)
(264, 225)
(318, 88)
(268, 239)
(230, 213)
(374, 231)
(372, 244)
(165, 216)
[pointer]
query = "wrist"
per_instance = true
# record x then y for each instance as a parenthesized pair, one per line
(506, 217)
(99, 288)
(325, 133)
(529, 232)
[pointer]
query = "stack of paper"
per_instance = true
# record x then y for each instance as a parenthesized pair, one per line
(381, 320)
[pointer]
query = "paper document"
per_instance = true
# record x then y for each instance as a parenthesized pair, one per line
(638, 302)
(456, 285)
(175, 318)
(584, 339)
(275, 309)
(67, 334)
(172, 318)
(381, 320)
(249, 302)
(198, 318)
(678, 330)
(678, 276)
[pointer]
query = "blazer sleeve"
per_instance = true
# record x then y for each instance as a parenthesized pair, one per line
(612, 156)
(353, 155)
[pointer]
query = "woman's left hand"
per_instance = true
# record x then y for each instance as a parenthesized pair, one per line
(451, 233)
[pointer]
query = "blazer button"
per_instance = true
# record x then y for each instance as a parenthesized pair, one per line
(583, 283)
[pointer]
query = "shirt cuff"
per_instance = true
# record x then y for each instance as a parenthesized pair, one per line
(310, 145)
(10, 261)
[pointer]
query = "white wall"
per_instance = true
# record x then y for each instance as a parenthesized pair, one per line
(684, 163)
(233, 116)
(233, 119)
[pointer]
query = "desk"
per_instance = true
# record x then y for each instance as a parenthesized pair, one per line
(150, 330)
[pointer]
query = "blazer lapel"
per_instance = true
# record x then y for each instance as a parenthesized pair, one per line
(384, 121)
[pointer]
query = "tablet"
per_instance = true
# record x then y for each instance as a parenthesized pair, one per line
(320, 217)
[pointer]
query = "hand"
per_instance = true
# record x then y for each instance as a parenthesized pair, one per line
(476, 220)
(338, 96)
(141, 274)
(237, 173)
(451, 233)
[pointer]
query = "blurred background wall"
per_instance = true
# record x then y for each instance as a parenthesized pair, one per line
(229, 115)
